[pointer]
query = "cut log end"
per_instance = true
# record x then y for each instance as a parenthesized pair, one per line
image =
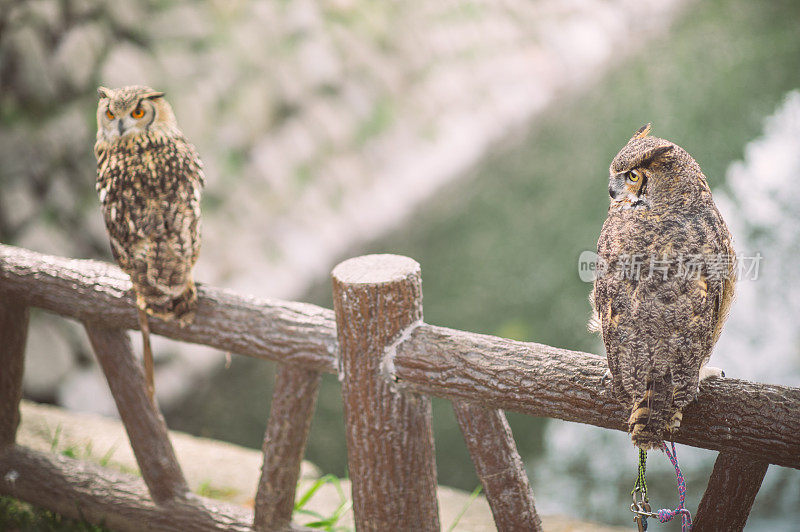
(375, 269)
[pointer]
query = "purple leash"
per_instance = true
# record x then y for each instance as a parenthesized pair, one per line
(667, 514)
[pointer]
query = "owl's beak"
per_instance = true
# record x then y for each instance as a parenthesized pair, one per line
(120, 127)
(611, 191)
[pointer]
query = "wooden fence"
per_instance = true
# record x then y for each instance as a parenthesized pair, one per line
(389, 361)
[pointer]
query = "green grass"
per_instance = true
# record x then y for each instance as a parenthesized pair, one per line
(328, 523)
(18, 515)
(208, 489)
(472, 497)
(21, 516)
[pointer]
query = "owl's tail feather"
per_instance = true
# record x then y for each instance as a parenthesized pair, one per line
(179, 308)
(153, 303)
(646, 423)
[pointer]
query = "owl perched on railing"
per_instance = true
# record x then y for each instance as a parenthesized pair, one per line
(665, 283)
(149, 179)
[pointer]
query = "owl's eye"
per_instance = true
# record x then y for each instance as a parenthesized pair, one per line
(138, 112)
(634, 176)
(109, 114)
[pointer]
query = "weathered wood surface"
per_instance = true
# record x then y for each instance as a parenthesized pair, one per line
(144, 423)
(730, 415)
(293, 401)
(92, 291)
(389, 434)
(499, 466)
(731, 490)
(85, 491)
(14, 317)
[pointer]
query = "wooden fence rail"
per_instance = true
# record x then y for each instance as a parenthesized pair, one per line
(390, 361)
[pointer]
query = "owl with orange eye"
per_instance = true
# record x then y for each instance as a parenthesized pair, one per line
(149, 180)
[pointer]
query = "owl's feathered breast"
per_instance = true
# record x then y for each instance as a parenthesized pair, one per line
(660, 318)
(150, 189)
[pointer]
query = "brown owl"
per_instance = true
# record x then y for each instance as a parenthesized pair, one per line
(149, 179)
(665, 285)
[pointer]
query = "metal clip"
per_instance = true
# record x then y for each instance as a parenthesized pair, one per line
(641, 510)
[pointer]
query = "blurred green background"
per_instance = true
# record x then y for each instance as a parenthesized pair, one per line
(499, 248)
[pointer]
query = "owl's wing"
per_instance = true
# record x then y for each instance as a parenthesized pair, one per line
(722, 292)
(169, 222)
(611, 296)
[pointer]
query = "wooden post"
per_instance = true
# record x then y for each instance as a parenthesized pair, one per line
(14, 318)
(731, 490)
(284, 445)
(377, 298)
(145, 425)
(499, 467)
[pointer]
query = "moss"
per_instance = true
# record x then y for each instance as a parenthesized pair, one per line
(222, 493)
(18, 515)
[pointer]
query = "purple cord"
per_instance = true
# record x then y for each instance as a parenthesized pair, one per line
(667, 514)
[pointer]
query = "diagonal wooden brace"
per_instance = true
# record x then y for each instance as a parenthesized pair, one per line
(499, 466)
(145, 425)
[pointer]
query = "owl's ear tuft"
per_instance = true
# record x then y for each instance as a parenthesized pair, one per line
(103, 92)
(153, 95)
(642, 132)
(654, 155)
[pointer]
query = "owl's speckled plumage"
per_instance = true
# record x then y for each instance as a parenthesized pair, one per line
(149, 179)
(659, 327)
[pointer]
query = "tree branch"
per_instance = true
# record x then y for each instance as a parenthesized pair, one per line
(762, 420)
(730, 415)
(96, 292)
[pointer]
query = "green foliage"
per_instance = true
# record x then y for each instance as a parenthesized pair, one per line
(327, 523)
(80, 452)
(17, 515)
(206, 489)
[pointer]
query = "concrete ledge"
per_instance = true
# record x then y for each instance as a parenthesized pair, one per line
(228, 472)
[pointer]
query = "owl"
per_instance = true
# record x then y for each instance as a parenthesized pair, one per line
(664, 286)
(149, 180)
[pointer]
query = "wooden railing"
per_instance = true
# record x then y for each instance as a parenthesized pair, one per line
(389, 361)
